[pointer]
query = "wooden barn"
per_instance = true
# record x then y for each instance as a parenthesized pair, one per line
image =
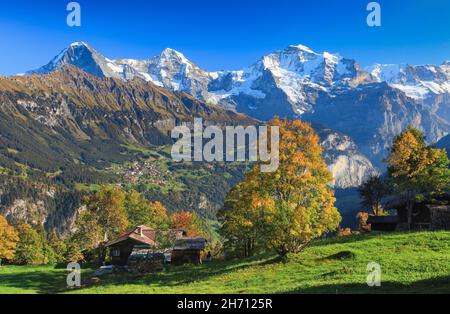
(188, 250)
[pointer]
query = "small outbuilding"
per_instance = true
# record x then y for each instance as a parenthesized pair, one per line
(188, 250)
(440, 217)
(424, 216)
(383, 223)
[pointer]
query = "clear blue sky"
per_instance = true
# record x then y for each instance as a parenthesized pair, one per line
(227, 34)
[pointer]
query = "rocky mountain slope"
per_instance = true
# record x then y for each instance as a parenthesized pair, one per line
(348, 164)
(68, 130)
(444, 143)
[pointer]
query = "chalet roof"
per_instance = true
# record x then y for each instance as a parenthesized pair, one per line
(398, 203)
(190, 244)
(383, 220)
(441, 208)
(140, 234)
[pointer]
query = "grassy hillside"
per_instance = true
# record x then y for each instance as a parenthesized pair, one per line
(411, 263)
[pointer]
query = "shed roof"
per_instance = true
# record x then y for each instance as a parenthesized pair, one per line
(190, 244)
(441, 208)
(383, 220)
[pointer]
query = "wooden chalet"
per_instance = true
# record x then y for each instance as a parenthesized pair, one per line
(122, 246)
(188, 250)
(141, 237)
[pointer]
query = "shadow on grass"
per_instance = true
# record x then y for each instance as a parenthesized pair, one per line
(439, 285)
(49, 282)
(179, 275)
(357, 238)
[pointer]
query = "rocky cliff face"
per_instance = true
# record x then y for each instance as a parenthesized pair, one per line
(37, 203)
(444, 143)
(349, 166)
(372, 115)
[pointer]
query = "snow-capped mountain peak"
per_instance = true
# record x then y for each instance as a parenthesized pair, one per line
(79, 44)
(418, 82)
(172, 54)
(297, 71)
(83, 56)
(302, 48)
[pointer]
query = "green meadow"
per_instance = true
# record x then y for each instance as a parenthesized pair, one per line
(410, 263)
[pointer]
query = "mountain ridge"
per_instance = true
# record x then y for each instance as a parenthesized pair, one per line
(297, 82)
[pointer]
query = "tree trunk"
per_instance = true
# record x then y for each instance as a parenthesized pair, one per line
(101, 254)
(409, 207)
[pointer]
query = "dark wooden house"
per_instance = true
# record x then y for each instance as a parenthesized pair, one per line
(425, 216)
(141, 237)
(188, 250)
(122, 246)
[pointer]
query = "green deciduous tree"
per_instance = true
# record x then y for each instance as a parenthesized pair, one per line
(105, 217)
(240, 219)
(29, 250)
(58, 246)
(140, 211)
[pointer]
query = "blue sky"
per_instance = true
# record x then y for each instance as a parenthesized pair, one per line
(227, 34)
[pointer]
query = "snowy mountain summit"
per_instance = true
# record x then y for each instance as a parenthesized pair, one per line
(296, 74)
(418, 82)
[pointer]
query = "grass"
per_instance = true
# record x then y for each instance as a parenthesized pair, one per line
(411, 263)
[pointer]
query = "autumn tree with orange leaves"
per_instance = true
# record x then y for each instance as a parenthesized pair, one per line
(284, 210)
(417, 169)
(188, 222)
(8, 240)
